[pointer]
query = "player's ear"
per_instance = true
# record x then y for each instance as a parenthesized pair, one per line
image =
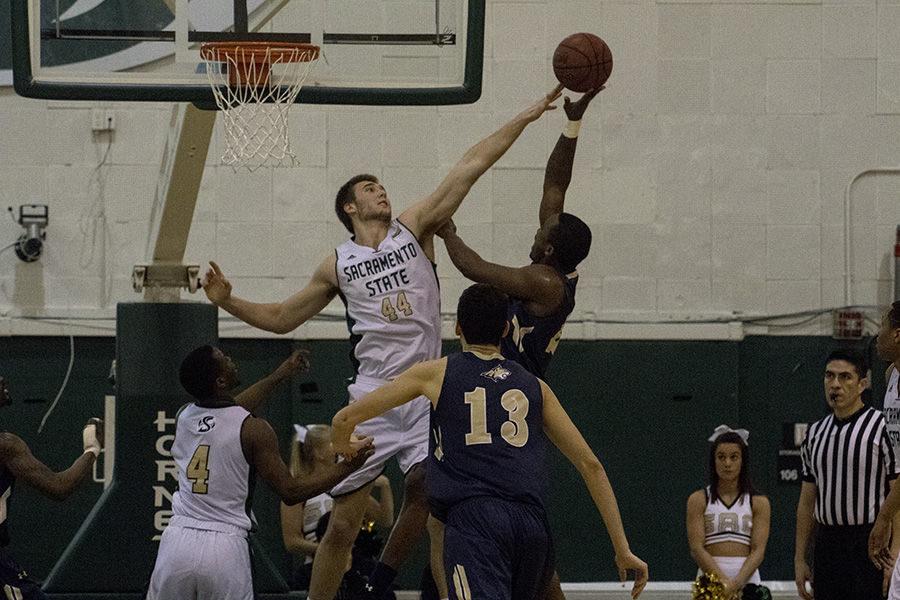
(505, 330)
(549, 250)
(349, 208)
(458, 330)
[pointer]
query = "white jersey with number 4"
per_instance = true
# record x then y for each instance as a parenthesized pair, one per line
(213, 474)
(892, 408)
(393, 303)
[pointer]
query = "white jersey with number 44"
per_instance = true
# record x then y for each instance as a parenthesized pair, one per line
(393, 303)
(213, 474)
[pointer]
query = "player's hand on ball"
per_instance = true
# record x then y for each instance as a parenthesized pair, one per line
(447, 229)
(629, 564)
(216, 286)
(575, 110)
(92, 436)
(297, 362)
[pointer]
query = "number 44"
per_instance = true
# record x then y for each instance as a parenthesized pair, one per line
(403, 306)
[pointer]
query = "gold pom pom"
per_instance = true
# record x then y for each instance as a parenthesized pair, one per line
(708, 587)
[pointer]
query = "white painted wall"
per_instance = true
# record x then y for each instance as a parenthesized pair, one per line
(712, 170)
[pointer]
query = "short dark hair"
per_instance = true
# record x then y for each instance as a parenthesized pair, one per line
(852, 356)
(199, 371)
(745, 485)
(571, 241)
(894, 315)
(481, 313)
(345, 196)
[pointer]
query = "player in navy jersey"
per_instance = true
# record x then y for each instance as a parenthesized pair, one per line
(491, 420)
(542, 294)
(17, 462)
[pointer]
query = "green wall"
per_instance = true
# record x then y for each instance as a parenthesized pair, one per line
(645, 407)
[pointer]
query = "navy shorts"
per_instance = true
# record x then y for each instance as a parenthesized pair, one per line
(15, 582)
(497, 550)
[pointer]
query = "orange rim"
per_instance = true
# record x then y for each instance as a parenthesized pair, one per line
(252, 61)
(259, 52)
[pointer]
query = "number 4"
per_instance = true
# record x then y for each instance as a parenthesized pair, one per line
(197, 470)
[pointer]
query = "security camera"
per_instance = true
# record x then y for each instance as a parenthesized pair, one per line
(34, 218)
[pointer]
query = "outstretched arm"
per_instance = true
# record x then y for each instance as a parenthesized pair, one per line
(422, 379)
(17, 458)
(534, 283)
(256, 395)
(558, 174)
(424, 217)
(278, 317)
(563, 433)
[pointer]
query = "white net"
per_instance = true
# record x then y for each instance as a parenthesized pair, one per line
(254, 88)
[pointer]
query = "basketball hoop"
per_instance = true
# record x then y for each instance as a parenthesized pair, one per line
(255, 84)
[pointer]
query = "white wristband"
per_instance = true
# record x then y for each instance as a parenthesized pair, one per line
(572, 129)
(94, 451)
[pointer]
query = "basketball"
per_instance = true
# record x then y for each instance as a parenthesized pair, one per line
(582, 62)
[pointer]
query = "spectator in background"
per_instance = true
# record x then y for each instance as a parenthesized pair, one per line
(302, 525)
(728, 521)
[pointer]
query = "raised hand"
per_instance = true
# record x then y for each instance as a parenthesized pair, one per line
(216, 286)
(575, 110)
(297, 362)
(92, 436)
(534, 112)
(629, 562)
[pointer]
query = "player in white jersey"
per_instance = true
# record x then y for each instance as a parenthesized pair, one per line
(888, 347)
(204, 553)
(385, 276)
(728, 521)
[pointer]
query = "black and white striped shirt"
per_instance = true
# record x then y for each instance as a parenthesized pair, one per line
(851, 462)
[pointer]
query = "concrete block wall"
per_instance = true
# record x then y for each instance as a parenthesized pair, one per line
(712, 170)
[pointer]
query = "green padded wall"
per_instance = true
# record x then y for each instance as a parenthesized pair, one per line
(645, 407)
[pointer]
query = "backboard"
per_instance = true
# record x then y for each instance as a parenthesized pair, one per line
(381, 52)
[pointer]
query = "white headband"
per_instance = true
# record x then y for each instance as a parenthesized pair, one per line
(743, 433)
(300, 433)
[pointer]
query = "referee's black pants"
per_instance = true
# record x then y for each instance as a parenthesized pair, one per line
(841, 566)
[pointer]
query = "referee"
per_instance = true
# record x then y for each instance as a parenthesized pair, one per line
(848, 469)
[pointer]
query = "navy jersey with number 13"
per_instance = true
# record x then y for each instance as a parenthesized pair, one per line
(487, 434)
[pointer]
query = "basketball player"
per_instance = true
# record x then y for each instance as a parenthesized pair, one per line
(542, 294)
(386, 278)
(884, 555)
(17, 462)
(486, 474)
(219, 444)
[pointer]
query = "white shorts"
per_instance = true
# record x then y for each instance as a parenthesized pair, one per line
(731, 566)
(402, 432)
(202, 564)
